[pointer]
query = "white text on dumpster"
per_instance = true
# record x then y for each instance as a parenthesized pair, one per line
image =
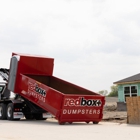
(36, 91)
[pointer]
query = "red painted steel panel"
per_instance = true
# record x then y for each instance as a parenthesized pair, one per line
(50, 100)
(82, 108)
(65, 107)
(36, 65)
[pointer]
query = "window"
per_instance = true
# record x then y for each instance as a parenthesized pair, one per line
(1, 88)
(130, 91)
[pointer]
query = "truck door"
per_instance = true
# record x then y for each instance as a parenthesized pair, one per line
(2, 88)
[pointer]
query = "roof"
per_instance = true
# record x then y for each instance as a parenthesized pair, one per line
(131, 79)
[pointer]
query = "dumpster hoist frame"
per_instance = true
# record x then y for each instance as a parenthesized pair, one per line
(40, 95)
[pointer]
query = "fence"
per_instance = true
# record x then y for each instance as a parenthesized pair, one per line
(133, 110)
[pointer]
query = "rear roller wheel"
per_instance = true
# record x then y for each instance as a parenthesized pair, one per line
(95, 122)
(62, 123)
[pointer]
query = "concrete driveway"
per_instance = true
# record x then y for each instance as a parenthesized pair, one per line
(51, 130)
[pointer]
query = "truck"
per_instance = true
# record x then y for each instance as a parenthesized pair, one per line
(40, 95)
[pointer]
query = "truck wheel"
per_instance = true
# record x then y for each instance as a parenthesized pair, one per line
(39, 117)
(2, 111)
(10, 111)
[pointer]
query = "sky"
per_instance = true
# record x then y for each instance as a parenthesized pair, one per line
(93, 42)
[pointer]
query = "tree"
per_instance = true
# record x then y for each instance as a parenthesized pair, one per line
(114, 91)
(103, 92)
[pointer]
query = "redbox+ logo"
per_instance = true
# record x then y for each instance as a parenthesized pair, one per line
(82, 102)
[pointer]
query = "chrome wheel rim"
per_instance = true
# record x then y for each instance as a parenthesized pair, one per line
(9, 112)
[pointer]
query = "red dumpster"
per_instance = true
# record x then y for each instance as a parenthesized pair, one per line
(66, 101)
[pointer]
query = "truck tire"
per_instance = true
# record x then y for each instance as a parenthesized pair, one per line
(10, 111)
(39, 117)
(2, 111)
(29, 116)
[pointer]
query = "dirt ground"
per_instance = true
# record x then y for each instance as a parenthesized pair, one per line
(110, 113)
